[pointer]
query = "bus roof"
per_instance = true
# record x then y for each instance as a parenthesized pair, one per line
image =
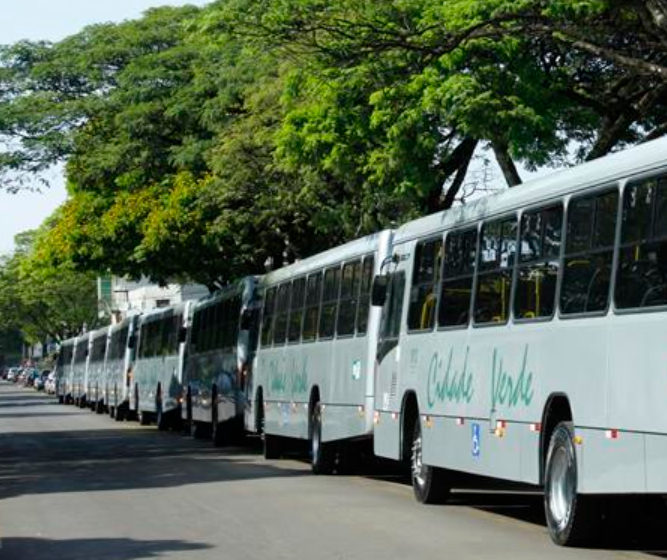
(350, 250)
(603, 171)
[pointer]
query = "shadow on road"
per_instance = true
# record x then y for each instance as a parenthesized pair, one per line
(125, 457)
(100, 549)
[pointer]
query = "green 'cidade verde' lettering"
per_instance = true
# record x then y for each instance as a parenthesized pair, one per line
(448, 384)
(508, 390)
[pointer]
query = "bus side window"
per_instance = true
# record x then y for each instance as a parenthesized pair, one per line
(349, 295)
(390, 326)
(222, 334)
(282, 308)
(641, 276)
(425, 280)
(267, 317)
(364, 307)
(296, 310)
(589, 251)
(330, 295)
(494, 271)
(539, 259)
(457, 277)
(311, 317)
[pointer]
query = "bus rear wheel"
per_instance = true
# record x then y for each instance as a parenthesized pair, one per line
(323, 455)
(572, 519)
(431, 485)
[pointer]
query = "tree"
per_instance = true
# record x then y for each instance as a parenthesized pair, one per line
(43, 302)
(201, 143)
(525, 78)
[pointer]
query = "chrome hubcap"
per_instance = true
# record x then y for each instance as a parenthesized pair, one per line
(316, 437)
(418, 469)
(561, 487)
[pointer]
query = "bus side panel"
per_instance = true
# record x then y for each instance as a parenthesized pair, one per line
(610, 465)
(638, 365)
(345, 397)
(387, 435)
(656, 463)
(387, 430)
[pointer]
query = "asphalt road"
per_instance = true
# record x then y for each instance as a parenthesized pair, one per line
(75, 485)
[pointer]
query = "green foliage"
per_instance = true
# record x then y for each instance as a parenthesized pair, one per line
(41, 301)
(201, 142)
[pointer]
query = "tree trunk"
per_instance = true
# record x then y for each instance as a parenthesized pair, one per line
(506, 164)
(457, 163)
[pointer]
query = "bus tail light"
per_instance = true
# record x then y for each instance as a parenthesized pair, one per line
(376, 417)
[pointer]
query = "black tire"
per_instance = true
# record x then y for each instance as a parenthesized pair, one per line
(161, 417)
(572, 519)
(217, 431)
(431, 485)
(144, 418)
(272, 445)
(322, 455)
(121, 412)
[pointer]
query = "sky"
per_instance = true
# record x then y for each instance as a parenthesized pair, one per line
(53, 20)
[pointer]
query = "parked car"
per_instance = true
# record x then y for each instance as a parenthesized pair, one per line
(13, 373)
(40, 379)
(28, 376)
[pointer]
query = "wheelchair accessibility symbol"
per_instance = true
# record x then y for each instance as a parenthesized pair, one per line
(476, 437)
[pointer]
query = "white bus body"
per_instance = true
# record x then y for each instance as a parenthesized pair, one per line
(64, 371)
(314, 372)
(94, 381)
(542, 327)
(79, 368)
(118, 364)
(158, 368)
(218, 360)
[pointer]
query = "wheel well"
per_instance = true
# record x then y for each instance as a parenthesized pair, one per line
(557, 410)
(409, 415)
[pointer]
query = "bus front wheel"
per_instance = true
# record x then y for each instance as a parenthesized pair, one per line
(572, 518)
(431, 485)
(323, 455)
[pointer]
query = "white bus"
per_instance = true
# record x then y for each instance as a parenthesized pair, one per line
(220, 349)
(118, 367)
(64, 371)
(77, 387)
(157, 375)
(94, 380)
(314, 372)
(523, 338)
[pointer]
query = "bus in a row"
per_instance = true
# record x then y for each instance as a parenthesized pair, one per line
(520, 337)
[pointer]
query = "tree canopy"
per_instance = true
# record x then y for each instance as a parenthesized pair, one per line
(44, 302)
(201, 142)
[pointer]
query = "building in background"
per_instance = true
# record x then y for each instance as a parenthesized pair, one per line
(119, 297)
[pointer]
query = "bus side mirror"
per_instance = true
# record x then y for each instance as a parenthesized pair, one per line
(246, 319)
(182, 334)
(379, 291)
